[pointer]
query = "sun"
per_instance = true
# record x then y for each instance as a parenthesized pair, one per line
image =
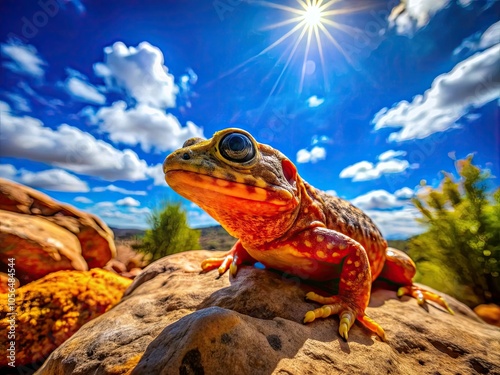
(312, 15)
(311, 26)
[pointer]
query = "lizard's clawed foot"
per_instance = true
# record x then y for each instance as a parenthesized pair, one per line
(228, 261)
(421, 295)
(335, 305)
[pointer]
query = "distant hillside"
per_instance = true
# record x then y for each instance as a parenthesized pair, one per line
(216, 238)
(123, 234)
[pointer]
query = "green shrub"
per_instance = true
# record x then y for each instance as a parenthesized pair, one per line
(168, 233)
(460, 251)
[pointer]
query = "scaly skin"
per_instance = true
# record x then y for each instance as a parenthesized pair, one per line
(280, 220)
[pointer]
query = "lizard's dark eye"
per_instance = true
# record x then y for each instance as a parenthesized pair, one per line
(237, 147)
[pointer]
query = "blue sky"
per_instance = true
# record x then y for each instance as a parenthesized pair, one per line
(94, 95)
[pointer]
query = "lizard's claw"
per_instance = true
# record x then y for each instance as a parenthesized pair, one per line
(336, 305)
(422, 295)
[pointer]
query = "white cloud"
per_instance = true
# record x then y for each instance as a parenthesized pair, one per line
(317, 153)
(200, 219)
(118, 190)
(128, 201)
(404, 193)
(390, 154)
(7, 171)
(397, 224)
(140, 211)
(471, 84)
(67, 147)
(364, 170)
(83, 200)
(331, 192)
(478, 41)
(104, 204)
(412, 15)
(314, 101)
(140, 71)
(83, 91)
(377, 199)
(490, 37)
(150, 127)
(156, 172)
(24, 59)
(19, 102)
(53, 179)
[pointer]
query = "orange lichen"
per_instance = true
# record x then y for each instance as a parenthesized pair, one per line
(51, 309)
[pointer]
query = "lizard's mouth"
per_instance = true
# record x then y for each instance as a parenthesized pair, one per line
(198, 186)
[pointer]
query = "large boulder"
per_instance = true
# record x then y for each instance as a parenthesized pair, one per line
(48, 311)
(95, 238)
(38, 246)
(175, 320)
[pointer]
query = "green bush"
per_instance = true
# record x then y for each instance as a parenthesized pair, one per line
(168, 233)
(460, 251)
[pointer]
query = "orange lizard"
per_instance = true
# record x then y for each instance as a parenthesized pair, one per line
(256, 194)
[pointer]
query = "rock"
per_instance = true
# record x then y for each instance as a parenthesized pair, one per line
(51, 309)
(95, 237)
(175, 320)
(4, 282)
(38, 246)
(490, 313)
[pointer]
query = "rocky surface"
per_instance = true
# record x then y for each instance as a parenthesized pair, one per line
(95, 239)
(38, 245)
(174, 320)
(48, 311)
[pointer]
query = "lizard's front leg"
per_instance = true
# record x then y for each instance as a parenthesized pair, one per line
(231, 260)
(329, 246)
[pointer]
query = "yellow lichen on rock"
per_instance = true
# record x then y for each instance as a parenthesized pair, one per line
(51, 309)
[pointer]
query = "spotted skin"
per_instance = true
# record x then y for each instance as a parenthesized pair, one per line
(280, 220)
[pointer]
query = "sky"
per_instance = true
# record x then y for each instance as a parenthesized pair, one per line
(367, 98)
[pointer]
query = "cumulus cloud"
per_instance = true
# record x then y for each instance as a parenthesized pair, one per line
(118, 190)
(83, 200)
(317, 153)
(471, 84)
(67, 147)
(128, 201)
(145, 125)
(314, 101)
(140, 71)
(53, 179)
(390, 154)
(83, 91)
(156, 173)
(332, 192)
(404, 193)
(412, 15)
(480, 41)
(19, 102)
(50, 179)
(365, 170)
(377, 199)
(7, 171)
(23, 59)
(397, 224)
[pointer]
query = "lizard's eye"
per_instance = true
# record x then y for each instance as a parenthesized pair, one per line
(237, 147)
